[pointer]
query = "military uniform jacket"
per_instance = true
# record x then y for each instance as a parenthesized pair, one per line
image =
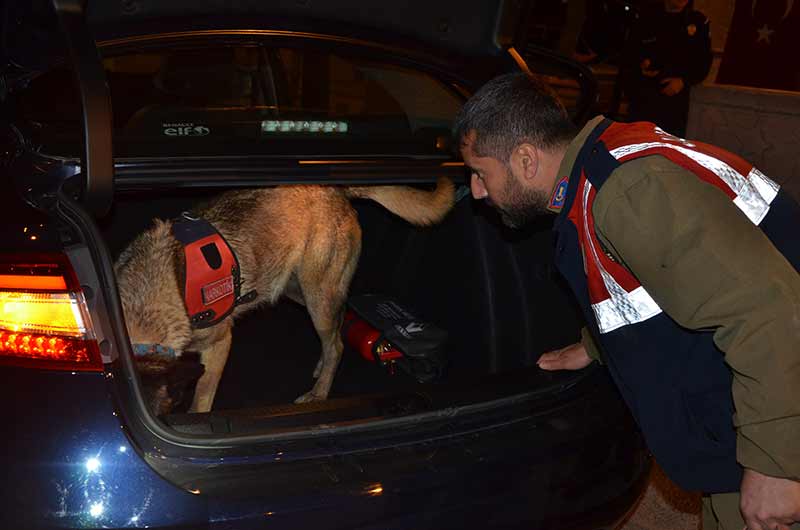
(684, 258)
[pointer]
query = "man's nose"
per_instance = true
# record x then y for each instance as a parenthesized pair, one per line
(477, 188)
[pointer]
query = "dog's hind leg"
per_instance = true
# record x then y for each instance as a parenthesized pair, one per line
(326, 321)
(325, 284)
(214, 345)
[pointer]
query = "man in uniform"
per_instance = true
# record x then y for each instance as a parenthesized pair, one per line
(668, 51)
(684, 259)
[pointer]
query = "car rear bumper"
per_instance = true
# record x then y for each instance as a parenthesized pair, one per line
(71, 462)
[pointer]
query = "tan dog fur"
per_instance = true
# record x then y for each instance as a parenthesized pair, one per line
(301, 241)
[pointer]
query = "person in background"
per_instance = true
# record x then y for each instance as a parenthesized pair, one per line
(684, 259)
(604, 31)
(668, 51)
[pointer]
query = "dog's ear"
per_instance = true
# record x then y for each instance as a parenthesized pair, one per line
(153, 373)
(154, 366)
(187, 370)
(179, 264)
(168, 383)
(182, 380)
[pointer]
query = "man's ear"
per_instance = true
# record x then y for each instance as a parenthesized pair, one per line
(525, 161)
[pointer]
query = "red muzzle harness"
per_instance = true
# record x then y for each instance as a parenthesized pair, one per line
(213, 278)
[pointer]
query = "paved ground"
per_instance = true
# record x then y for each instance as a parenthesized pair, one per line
(665, 507)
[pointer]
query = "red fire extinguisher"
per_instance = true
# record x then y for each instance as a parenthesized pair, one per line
(369, 341)
(383, 331)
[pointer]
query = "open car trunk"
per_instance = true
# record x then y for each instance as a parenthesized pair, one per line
(494, 291)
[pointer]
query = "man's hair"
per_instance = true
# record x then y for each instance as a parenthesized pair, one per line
(510, 110)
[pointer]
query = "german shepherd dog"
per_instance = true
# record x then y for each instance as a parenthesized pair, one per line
(299, 241)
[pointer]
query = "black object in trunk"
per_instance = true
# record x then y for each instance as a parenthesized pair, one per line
(422, 344)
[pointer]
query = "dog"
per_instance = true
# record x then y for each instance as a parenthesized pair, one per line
(298, 241)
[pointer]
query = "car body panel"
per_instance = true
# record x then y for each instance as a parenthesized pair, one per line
(81, 467)
(73, 465)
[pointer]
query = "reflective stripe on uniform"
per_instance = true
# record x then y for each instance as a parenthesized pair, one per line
(615, 306)
(753, 192)
(621, 307)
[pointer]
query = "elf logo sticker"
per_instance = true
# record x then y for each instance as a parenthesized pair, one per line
(184, 129)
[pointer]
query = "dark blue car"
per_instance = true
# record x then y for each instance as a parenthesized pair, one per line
(132, 110)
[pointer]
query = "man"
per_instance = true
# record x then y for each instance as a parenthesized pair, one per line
(668, 51)
(684, 258)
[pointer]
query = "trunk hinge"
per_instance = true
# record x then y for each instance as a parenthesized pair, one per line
(97, 161)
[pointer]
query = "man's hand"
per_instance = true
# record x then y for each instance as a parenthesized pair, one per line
(769, 503)
(671, 85)
(573, 357)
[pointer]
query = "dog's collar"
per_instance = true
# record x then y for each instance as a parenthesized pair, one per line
(213, 282)
(141, 350)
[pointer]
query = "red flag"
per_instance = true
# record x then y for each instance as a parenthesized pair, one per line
(762, 45)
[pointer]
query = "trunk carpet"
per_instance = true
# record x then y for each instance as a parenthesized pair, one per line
(273, 355)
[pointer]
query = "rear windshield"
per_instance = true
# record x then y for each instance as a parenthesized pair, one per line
(250, 99)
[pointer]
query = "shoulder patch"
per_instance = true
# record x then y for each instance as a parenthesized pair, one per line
(559, 194)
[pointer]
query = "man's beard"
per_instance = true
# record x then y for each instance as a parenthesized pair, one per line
(521, 205)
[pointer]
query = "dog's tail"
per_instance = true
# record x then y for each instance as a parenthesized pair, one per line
(416, 206)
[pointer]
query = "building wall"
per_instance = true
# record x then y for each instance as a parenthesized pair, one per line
(761, 125)
(720, 13)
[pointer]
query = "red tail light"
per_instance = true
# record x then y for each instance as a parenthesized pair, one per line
(44, 320)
